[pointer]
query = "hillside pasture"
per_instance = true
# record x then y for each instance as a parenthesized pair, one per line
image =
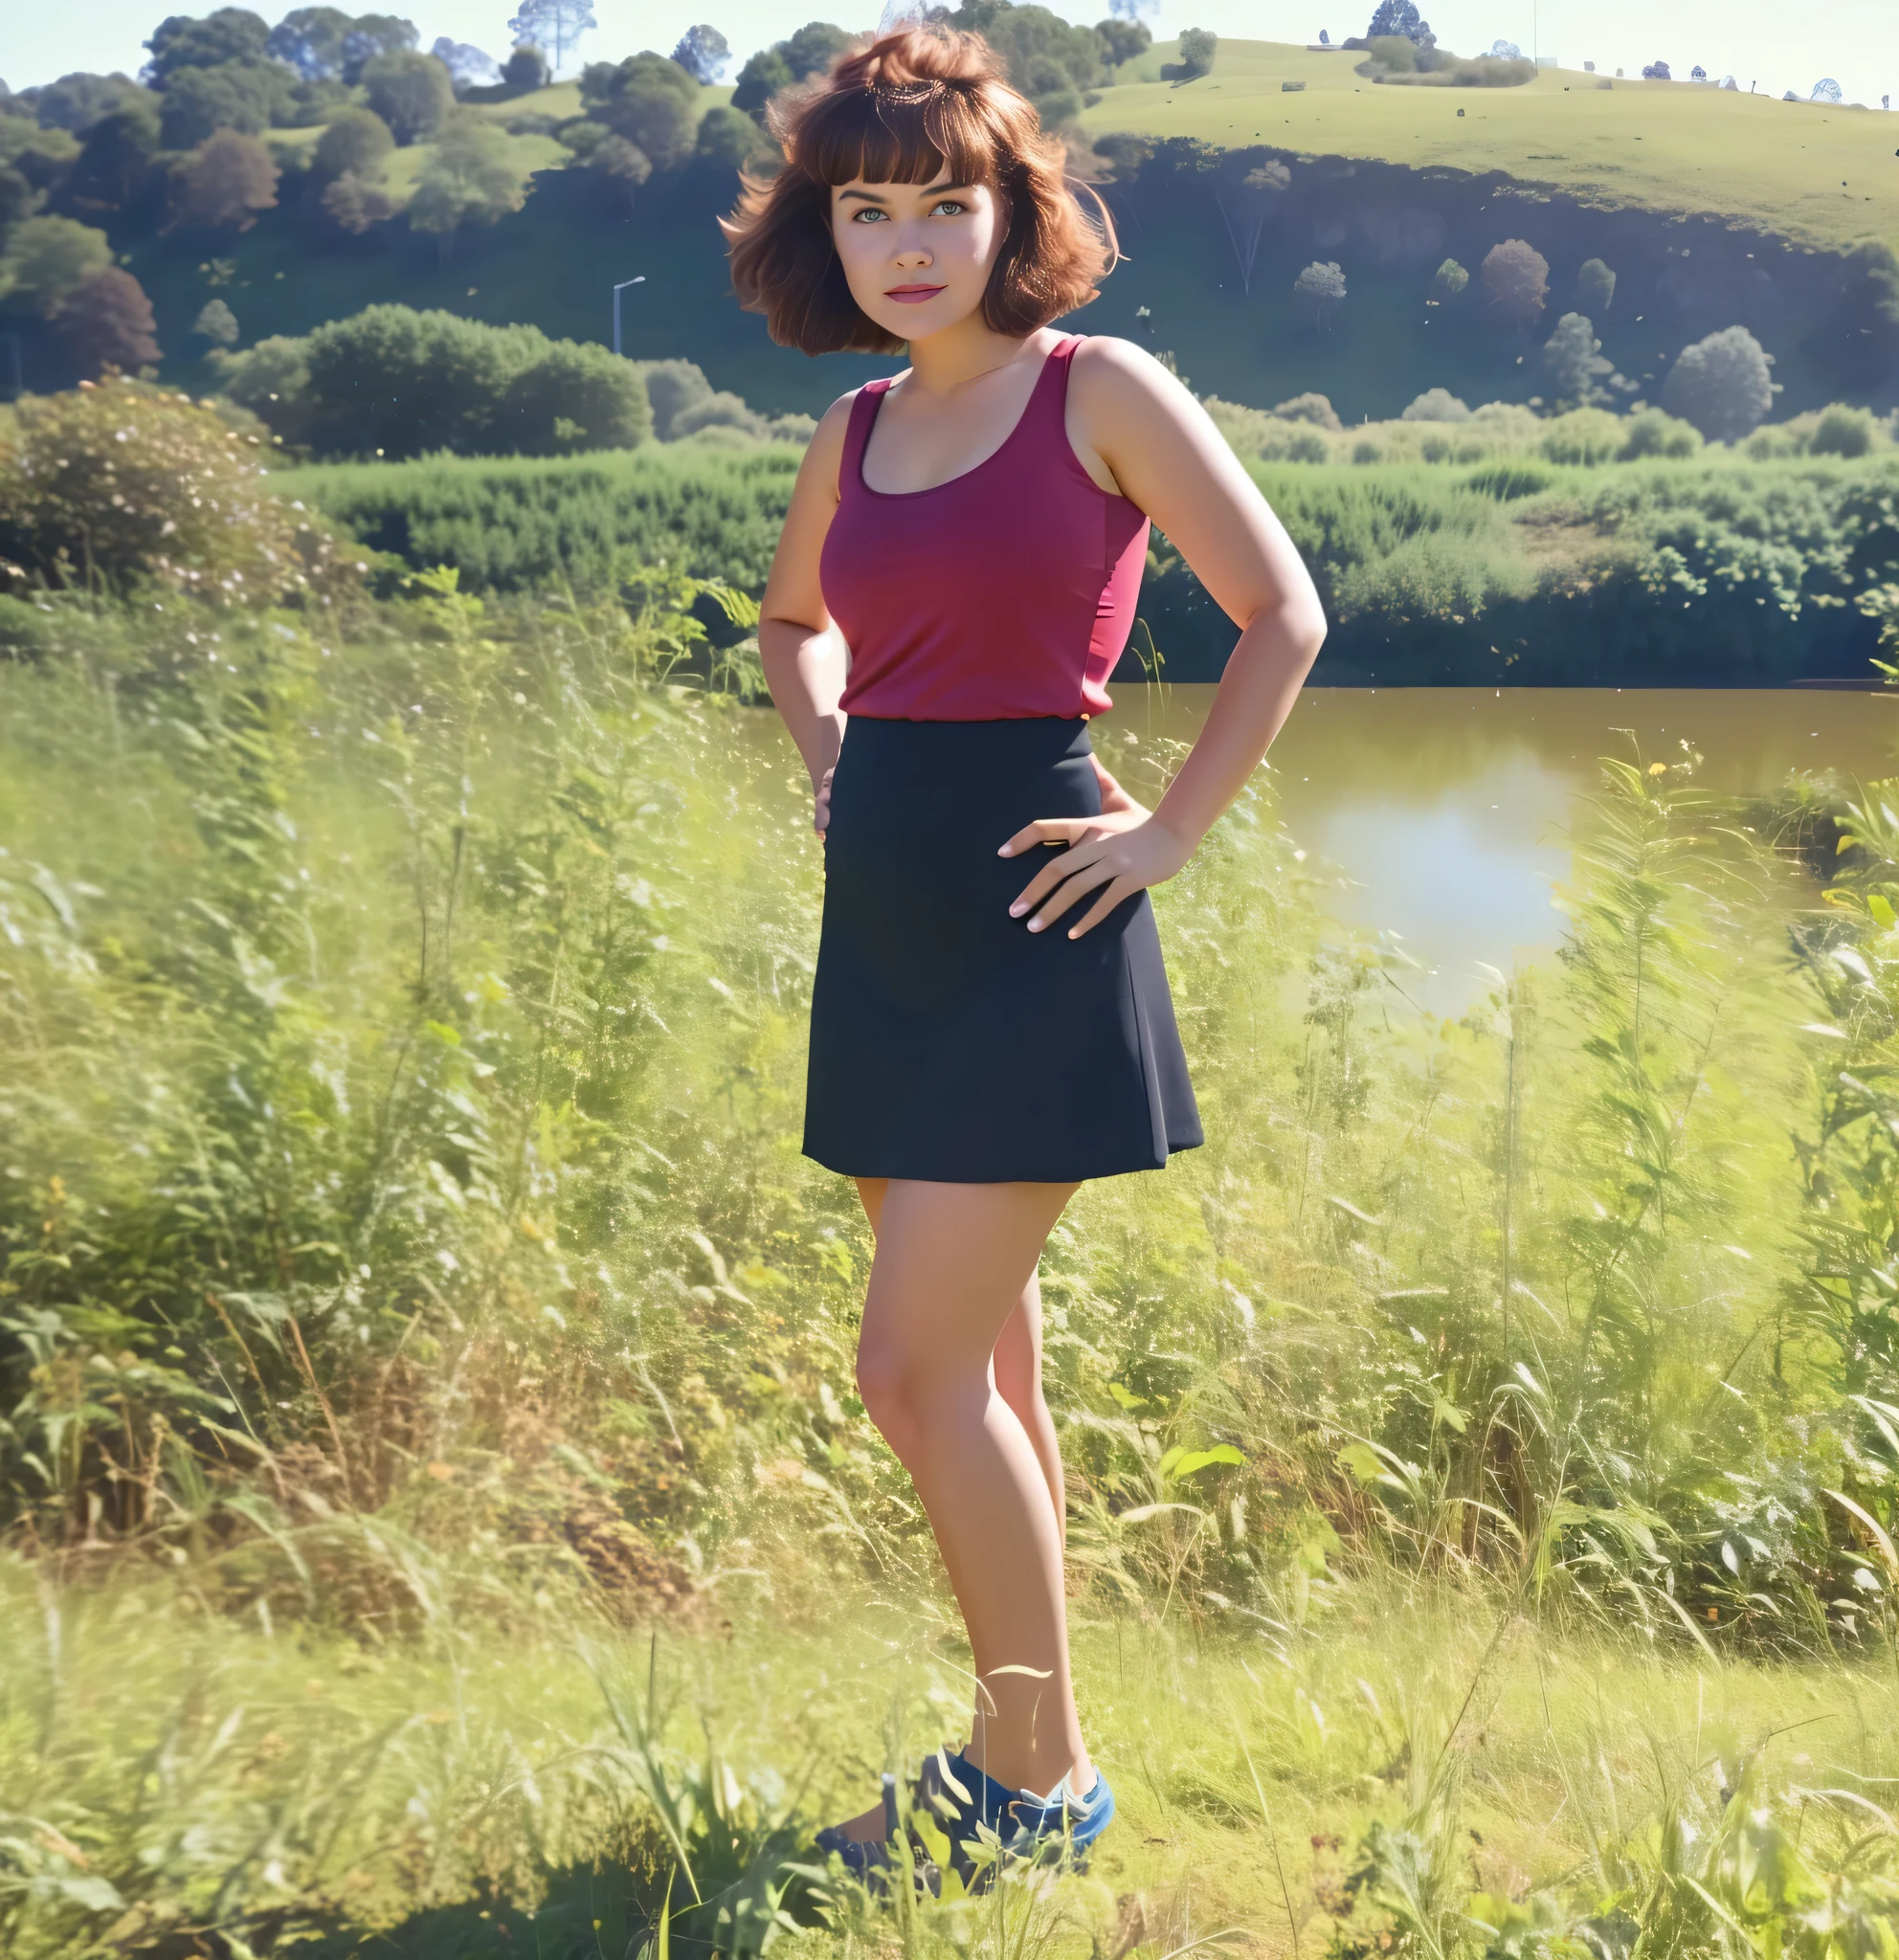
(1824, 174)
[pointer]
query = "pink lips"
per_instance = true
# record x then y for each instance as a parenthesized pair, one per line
(912, 295)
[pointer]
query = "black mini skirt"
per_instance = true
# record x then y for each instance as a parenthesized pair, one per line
(947, 1042)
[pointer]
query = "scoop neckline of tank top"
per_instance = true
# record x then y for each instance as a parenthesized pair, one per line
(962, 477)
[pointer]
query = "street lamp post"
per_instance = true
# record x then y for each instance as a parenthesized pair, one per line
(639, 280)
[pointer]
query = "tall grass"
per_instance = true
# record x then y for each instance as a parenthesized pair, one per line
(407, 1250)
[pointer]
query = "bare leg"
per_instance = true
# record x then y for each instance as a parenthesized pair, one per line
(1016, 1369)
(952, 1315)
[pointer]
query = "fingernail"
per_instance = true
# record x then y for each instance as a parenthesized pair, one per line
(1005, 850)
(1035, 924)
(1017, 911)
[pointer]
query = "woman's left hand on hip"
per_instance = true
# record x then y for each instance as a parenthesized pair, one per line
(1117, 854)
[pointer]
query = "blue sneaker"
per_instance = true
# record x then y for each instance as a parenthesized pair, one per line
(1063, 1827)
(987, 1822)
(865, 1858)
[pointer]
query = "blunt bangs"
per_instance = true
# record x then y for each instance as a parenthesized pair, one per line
(895, 134)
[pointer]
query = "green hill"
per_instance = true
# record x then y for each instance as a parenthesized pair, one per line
(1822, 176)
(1713, 208)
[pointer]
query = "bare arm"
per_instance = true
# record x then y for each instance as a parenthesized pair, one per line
(799, 646)
(1166, 455)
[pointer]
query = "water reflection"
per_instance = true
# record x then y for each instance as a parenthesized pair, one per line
(1443, 813)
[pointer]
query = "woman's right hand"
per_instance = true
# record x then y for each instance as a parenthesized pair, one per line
(820, 802)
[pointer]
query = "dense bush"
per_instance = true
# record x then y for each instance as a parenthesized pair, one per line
(1548, 572)
(117, 488)
(577, 398)
(394, 382)
(522, 526)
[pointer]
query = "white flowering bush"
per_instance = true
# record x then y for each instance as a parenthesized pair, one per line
(121, 485)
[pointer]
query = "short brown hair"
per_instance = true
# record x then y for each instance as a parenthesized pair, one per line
(910, 104)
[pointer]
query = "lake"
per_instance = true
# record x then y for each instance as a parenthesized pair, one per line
(1443, 813)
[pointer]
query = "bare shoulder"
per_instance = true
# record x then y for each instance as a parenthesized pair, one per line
(1129, 405)
(1113, 371)
(824, 453)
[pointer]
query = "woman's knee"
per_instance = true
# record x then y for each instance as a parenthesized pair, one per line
(909, 1396)
(888, 1383)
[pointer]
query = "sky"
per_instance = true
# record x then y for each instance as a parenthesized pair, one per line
(1779, 47)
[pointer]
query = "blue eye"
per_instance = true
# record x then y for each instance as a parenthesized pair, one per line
(948, 204)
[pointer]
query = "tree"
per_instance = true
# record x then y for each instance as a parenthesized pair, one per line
(311, 40)
(646, 99)
(1503, 50)
(1437, 405)
(1401, 17)
(1828, 90)
(357, 140)
(1449, 279)
(1697, 73)
(621, 165)
(762, 77)
(526, 69)
(1657, 71)
(117, 158)
(1516, 277)
(1044, 56)
(78, 102)
(353, 204)
(1123, 40)
(704, 53)
(1315, 409)
(1322, 286)
(1721, 385)
(1245, 207)
(556, 24)
(412, 92)
(1573, 359)
(246, 96)
(468, 66)
(217, 324)
(232, 34)
(1199, 45)
(371, 35)
(1594, 288)
(809, 52)
(225, 182)
(106, 322)
(727, 137)
(48, 257)
(471, 178)
(18, 200)
(573, 398)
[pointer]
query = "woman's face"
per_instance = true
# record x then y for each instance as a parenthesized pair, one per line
(917, 256)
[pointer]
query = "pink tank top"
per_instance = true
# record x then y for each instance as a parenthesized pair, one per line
(1007, 592)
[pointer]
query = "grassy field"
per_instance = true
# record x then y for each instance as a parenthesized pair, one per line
(415, 1298)
(1824, 175)
(488, 1791)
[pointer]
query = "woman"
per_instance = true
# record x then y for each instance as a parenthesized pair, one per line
(991, 1022)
